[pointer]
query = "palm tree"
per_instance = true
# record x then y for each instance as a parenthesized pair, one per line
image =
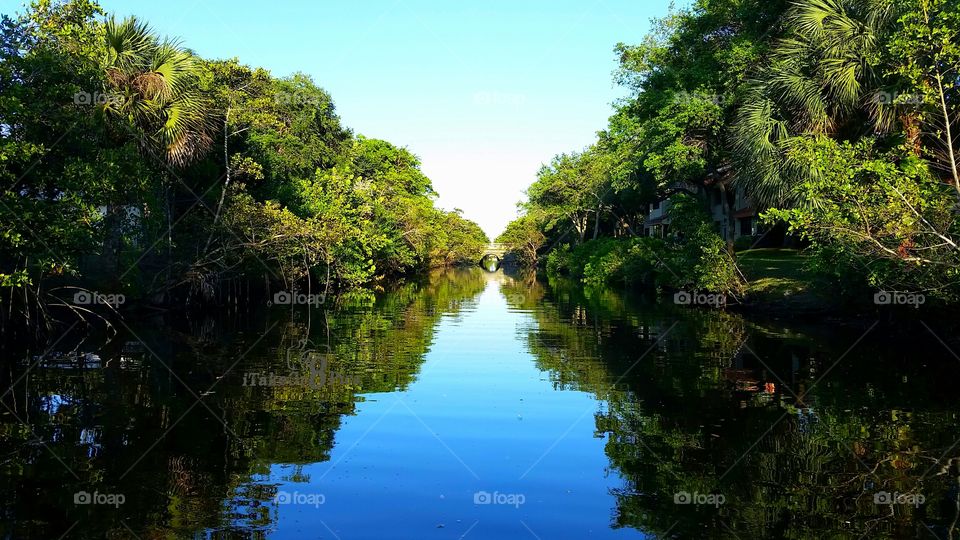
(152, 87)
(153, 91)
(823, 79)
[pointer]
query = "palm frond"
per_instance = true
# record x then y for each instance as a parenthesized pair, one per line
(155, 90)
(820, 79)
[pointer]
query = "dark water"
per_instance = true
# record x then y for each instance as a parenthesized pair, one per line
(484, 406)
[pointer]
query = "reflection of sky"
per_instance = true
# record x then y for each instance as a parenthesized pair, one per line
(480, 417)
(90, 437)
(53, 403)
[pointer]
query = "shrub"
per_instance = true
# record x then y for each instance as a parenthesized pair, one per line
(695, 258)
(624, 262)
(558, 261)
(698, 258)
(882, 218)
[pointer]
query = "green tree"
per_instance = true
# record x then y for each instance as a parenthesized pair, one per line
(524, 237)
(826, 76)
(152, 85)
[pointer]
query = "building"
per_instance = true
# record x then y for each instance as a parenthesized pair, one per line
(733, 219)
(657, 223)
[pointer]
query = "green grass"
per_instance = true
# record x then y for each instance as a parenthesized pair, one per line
(772, 263)
(779, 278)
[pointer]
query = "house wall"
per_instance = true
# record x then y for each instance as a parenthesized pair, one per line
(657, 224)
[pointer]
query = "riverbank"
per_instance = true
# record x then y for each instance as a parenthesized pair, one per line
(782, 283)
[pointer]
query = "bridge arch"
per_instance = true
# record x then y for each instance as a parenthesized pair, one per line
(497, 251)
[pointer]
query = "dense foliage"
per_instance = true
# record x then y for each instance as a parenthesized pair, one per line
(131, 165)
(697, 260)
(839, 116)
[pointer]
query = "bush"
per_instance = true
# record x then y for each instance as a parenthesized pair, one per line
(701, 262)
(573, 262)
(695, 259)
(698, 258)
(882, 220)
(626, 262)
(558, 261)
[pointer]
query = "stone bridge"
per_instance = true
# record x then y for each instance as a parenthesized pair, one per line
(497, 250)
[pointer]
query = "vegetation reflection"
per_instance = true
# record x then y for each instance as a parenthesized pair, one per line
(759, 420)
(273, 390)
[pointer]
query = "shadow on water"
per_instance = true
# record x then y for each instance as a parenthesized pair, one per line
(711, 425)
(182, 419)
(725, 428)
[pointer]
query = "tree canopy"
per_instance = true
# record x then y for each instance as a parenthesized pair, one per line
(837, 119)
(130, 164)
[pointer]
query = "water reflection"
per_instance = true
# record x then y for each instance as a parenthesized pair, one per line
(132, 424)
(394, 416)
(490, 263)
(789, 442)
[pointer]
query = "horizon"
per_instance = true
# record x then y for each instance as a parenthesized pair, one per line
(482, 114)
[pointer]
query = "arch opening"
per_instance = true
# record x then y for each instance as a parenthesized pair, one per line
(491, 262)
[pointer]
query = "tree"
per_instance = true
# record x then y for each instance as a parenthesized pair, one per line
(883, 216)
(152, 86)
(572, 188)
(524, 237)
(926, 45)
(270, 184)
(822, 78)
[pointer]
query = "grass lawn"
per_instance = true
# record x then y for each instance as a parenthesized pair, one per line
(772, 263)
(778, 277)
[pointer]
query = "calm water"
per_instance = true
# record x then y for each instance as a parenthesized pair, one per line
(478, 405)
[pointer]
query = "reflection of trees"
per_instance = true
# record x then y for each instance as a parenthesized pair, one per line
(701, 414)
(188, 472)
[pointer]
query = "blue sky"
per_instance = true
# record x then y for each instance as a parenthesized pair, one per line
(483, 91)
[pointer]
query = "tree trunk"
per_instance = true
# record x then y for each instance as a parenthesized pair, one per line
(947, 121)
(596, 223)
(728, 222)
(581, 225)
(226, 183)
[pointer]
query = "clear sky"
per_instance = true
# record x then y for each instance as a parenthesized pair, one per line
(484, 91)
